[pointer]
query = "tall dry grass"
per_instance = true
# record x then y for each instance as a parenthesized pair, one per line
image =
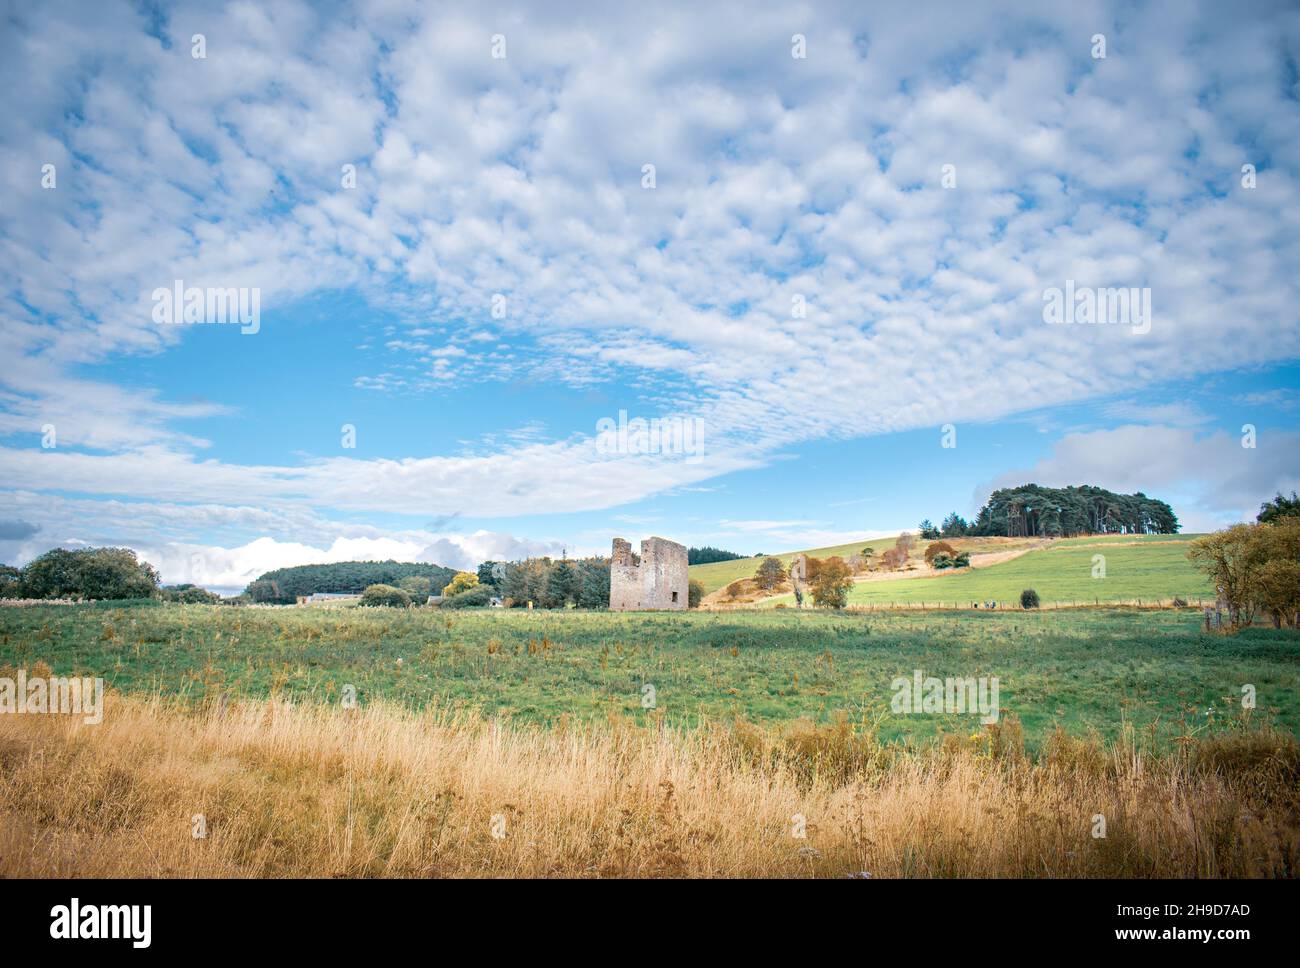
(386, 792)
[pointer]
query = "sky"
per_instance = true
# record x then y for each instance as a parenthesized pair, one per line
(818, 244)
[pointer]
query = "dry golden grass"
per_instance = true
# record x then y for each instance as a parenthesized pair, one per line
(384, 792)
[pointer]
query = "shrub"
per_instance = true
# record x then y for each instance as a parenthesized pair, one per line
(1029, 598)
(476, 597)
(735, 589)
(385, 595)
(937, 548)
(694, 593)
(961, 559)
(941, 561)
(188, 594)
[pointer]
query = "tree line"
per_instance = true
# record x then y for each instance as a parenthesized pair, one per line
(283, 585)
(708, 555)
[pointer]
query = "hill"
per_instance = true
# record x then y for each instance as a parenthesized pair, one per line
(286, 584)
(1137, 567)
(723, 573)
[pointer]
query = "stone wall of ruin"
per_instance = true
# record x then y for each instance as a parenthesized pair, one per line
(654, 580)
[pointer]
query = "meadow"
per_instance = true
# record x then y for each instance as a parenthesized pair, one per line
(271, 789)
(1081, 669)
(488, 744)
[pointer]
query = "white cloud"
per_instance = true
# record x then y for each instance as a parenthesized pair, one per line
(1210, 477)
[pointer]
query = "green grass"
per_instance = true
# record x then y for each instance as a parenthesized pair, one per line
(1150, 570)
(1081, 669)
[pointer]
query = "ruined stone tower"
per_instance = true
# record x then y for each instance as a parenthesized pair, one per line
(655, 579)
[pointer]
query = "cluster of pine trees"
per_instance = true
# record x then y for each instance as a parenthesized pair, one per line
(1031, 510)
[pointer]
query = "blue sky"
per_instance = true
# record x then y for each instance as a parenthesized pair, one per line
(840, 254)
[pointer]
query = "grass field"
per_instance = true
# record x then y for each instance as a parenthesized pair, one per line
(1147, 569)
(516, 744)
(1081, 669)
(383, 791)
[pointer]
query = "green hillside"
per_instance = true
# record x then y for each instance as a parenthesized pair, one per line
(718, 574)
(1136, 567)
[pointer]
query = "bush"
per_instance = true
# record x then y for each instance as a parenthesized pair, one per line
(1029, 598)
(941, 561)
(477, 597)
(188, 594)
(937, 549)
(694, 593)
(385, 595)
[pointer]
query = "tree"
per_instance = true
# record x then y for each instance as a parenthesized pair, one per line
(694, 593)
(97, 573)
(1276, 582)
(385, 595)
(487, 573)
(831, 587)
(11, 582)
(417, 586)
(954, 526)
(561, 584)
(1029, 598)
(1278, 591)
(770, 574)
(1279, 507)
(463, 581)
(927, 530)
(1231, 558)
(896, 557)
(893, 558)
(936, 548)
(593, 583)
